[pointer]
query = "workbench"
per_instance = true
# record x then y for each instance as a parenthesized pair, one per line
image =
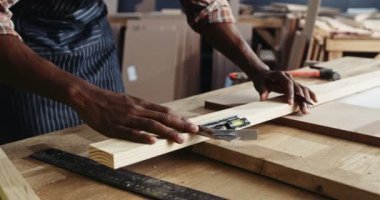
(181, 167)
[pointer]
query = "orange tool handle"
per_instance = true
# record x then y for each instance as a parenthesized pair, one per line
(313, 73)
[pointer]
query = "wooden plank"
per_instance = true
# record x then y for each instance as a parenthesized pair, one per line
(350, 45)
(257, 22)
(360, 110)
(362, 106)
(331, 119)
(12, 184)
(347, 67)
(333, 55)
(328, 166)
(117, 153)
(287, 33)
(302, 39)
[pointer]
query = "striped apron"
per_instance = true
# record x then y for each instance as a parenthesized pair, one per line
(74, 35)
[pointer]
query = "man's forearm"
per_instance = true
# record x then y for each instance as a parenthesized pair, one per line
(227, 39)
(22, 68)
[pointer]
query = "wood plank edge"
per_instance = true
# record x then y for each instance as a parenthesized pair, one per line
(329, 131)
(161, 147)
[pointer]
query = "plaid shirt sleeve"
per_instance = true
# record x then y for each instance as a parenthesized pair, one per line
(6, 24)
(207, 11)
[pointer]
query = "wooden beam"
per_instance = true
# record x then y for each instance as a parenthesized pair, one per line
(335, 55)
(302, 39)
(118, 153)
(12, 184)
(257, 22)
(350, 45)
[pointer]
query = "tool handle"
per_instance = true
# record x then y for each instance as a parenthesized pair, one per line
(312, 73)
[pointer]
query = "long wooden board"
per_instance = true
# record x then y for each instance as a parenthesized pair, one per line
(12, 184)
(328, 119)
(346, 67)
(117, 153)
(353, 120)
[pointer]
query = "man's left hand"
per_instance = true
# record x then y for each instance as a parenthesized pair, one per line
(281, 82)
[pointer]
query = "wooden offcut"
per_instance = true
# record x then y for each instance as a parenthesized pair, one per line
(117, 153)
(12, 184)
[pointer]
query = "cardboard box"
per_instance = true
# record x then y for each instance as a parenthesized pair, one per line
(150, 62)
(161, 59)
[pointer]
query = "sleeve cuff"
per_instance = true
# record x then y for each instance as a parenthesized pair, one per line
(217, 11)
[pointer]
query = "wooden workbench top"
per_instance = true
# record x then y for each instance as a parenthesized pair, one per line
(181, 167)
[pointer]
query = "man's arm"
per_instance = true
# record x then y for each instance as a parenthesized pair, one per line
(214, 21)
(112, 114)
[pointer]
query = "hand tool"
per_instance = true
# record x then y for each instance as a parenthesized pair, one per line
(317, 72)
(226, 129)
(124, 179)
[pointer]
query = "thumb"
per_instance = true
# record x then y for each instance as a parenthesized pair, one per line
(264, 94)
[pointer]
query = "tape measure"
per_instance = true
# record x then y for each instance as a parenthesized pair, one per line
(121, 178)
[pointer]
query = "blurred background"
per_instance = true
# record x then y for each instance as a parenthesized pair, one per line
(343, 5)
(163, 59)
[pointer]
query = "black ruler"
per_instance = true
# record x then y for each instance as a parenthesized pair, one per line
(121, 178)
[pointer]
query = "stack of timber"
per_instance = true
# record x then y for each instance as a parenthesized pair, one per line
(335, 36)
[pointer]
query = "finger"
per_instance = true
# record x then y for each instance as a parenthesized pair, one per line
(264, 95)
(171, 121)
(313, 96)
(289, 76)
(289, 90)
(306, 93)
(155, 127)
(299, 91)
(124, 133)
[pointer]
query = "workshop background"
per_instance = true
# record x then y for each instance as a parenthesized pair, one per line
(159, 52)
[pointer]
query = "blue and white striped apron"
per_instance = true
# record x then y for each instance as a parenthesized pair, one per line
(74, 35)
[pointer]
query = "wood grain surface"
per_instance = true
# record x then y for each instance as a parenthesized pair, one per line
(12, 185)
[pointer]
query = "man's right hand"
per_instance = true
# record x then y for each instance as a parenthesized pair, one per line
(125, 117)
